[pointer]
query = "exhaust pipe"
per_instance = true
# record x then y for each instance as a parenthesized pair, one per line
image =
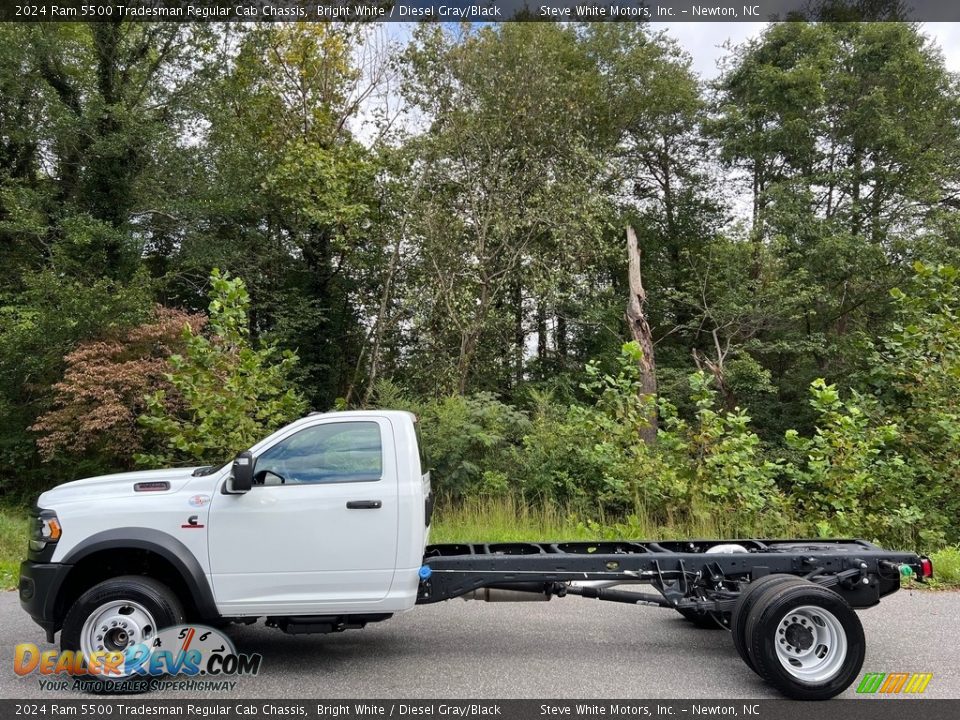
(524, 592)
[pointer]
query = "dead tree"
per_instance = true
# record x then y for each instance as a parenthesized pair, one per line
(636, 317)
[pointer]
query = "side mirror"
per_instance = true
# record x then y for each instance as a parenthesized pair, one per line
(241, 477)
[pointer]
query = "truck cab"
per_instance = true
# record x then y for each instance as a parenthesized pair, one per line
(327, 517)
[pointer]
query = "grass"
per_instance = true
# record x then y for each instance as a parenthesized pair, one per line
(505, 520)
(509, 520)
(13, 545)
(946, 569)
(502, 521)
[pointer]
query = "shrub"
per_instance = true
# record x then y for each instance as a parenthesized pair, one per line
(721, 458)
(592, 456)
(916, 381)
(848, 481)
(469, 439)
(228, 394)
(104, 390)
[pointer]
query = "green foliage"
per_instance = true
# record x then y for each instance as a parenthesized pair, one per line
(852, 479)
(846, 137)
(473, 256)
(722, 457)
(39, 325)
(915, 376)
(946, 567)
(230, 393)
(508, 185)
(468, 438)
(589, 456)
(288, 196)
(881, 465)
(462, 434)
(14, 533)
(694, 469)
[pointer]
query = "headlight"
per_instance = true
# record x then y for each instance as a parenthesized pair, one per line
(46, 530)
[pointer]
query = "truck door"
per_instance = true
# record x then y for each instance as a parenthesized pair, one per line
(318, 531)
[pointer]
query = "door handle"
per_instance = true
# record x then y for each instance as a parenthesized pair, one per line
(364, 504)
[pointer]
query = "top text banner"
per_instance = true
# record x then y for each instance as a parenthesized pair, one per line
(473, 11)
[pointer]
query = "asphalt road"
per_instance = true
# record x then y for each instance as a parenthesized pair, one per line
(565, 648)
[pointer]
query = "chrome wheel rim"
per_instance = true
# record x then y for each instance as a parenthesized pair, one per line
(115, 626)
(811, 644)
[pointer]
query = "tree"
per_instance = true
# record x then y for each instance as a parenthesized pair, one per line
(509, 191)
(915, 376)
(109, 97)
(288, 195)
(88, 112)
(104, 390)
(39, 326)
(225, 394)
(847, 137)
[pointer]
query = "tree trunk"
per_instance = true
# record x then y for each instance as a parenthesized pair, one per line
(470, 338)
(381, 320)
(640, 331)
(560, 339)
(519, 334)
(542, 336)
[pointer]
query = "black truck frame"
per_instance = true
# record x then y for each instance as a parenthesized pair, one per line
(787, 603)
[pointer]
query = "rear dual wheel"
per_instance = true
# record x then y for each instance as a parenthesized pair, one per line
(741, 610)
(802, 638)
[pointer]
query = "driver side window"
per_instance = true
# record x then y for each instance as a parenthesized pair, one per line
(329, 453)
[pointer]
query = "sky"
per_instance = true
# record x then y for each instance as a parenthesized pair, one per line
(704, 41)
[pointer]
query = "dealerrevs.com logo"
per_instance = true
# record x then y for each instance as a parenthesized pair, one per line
(182, 657)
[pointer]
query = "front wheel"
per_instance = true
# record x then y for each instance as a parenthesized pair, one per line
(117, 614)
(805, 640)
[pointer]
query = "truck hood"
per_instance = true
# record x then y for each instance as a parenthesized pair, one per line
(118, 485)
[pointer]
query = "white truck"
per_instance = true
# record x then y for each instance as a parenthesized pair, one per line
(324, 526)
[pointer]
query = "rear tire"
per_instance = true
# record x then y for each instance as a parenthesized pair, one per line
(805, 640)
(118, 613)
(741, 610)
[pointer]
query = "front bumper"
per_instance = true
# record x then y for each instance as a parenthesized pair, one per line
(39, 583)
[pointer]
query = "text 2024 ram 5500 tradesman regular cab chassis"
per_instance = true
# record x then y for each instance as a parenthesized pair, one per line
(323, 526)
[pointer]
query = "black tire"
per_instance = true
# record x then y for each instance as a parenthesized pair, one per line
(833, 640)
(700, 619)
(155, 597)
(741, 610)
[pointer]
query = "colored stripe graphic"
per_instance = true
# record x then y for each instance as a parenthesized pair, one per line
(893, 683)
(871, 682)
(918, 683)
